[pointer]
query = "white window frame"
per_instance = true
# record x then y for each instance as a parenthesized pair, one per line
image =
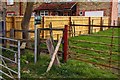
(47, 1)
(10, 14)
(43, 13)
(10, 2)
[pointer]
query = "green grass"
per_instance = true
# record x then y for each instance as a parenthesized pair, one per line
(73, 68)
(105, 56)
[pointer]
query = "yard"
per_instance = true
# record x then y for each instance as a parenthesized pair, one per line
(73, 68)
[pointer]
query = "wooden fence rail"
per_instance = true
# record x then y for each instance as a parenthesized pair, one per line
(57, 22)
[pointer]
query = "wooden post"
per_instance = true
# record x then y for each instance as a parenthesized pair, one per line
(74, 28)
(57, 37)
(14, 22)
(117, 23)
(65, 46)
(109, 22)
(51, 51)
(38, 42)
(54, 55)
(114, 23)
(3, 33)
(101, 24)
(12, 35)
(89, 27)
(70, 29)
(43, 24)
(51, 32)
(79, 33)
(70, 23)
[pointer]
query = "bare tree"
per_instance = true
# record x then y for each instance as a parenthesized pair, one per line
(26, 19)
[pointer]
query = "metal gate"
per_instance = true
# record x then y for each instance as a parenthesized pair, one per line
(9, 57)
(97, 49)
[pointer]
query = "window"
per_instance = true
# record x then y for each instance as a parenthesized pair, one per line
(10, 2)
(47, 1)
(43, 13)
(10, 13)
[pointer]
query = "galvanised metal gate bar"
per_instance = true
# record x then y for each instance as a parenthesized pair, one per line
(16, 61)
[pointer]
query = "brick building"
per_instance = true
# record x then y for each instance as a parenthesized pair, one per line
(56, 9)
(2, 11)
(119, 9)
(99, 9)
(80, 9)
(84, 7)
(16, 8)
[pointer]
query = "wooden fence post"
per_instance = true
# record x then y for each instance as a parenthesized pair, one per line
(101, 24)
(43, 23)
(89, 27)
(38, 41)
(3, 32)
(92, 27)
(14, 22)
(118, 23)
(51, 32)
(65, 46)
(74, 28)
(70, 29)
(114, 23)
(12, 33)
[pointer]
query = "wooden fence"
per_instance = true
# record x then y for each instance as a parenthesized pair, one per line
(57, 22)
(60, 21)
(15, 23)
(119, 21)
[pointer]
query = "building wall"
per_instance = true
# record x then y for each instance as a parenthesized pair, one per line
(119, 9)
(93, 6)
(114, 15)
(0, 6)
(16, 7)
(12, 8)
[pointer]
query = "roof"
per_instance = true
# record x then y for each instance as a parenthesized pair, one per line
(55, 5)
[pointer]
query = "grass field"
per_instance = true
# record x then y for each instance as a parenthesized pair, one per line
(73, 69)
(105, 54)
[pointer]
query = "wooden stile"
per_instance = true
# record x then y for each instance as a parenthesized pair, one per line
(51, 51)
(54, 55)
